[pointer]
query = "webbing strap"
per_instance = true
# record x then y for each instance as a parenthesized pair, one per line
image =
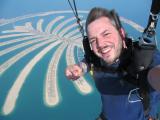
(75, 12)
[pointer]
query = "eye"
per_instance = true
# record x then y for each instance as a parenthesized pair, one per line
(91, 41)
(106, 34)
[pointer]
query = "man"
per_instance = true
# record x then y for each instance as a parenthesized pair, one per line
(120, 98)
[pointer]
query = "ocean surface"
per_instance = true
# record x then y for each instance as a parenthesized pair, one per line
(38, 39)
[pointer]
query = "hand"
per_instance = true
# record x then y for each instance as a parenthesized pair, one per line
(73, 72)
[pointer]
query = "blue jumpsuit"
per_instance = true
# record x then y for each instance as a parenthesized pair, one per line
(118, 102)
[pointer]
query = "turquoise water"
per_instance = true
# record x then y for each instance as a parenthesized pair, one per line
(73, 105)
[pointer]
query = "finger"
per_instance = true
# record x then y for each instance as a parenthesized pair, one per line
(68, 73)
(77, 71)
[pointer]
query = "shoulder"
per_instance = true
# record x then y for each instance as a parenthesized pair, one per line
(154, 73)
(156, 58)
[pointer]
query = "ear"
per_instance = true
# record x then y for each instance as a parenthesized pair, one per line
(123, 35)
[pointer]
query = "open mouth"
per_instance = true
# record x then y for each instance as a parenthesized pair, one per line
(105, 50)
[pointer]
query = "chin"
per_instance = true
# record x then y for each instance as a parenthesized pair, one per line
(109, 60)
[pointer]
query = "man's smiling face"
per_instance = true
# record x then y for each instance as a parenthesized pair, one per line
(105, 39)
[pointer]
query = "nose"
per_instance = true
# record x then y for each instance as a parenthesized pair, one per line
(99, 42)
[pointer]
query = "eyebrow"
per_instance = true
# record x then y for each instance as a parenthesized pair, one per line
(92, 38)
(104, 32)
(100, 33)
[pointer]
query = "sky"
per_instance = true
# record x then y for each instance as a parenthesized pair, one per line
(135, 10)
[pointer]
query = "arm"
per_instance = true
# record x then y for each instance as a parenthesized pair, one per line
(154, 77)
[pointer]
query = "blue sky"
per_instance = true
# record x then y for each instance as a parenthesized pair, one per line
(132, 9)
(135, 10)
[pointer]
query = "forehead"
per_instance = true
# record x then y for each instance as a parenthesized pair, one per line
(101, 19)
(99, 25)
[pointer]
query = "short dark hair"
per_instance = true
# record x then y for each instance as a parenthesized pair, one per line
(96, 13)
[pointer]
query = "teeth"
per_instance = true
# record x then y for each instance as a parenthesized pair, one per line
(105, 50)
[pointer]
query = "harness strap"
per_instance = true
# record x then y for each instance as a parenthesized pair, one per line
(144, 91)
(75, 12)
